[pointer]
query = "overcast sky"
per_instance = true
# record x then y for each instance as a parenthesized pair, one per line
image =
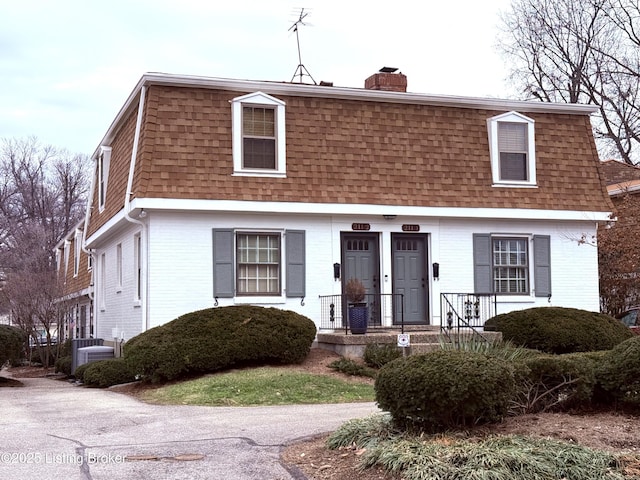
(67, 66)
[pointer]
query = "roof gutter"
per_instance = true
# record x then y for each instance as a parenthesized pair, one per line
(142, 259)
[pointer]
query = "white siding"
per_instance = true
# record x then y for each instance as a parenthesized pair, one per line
(180, 264)
(118, 309)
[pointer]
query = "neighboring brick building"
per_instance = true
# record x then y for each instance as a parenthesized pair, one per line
(75, 276)
(211, 192)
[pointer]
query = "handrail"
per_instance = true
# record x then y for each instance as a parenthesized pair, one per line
(386, 310)
(466, 313)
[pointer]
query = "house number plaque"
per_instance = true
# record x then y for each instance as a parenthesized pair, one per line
(410, 228)
(360, 226)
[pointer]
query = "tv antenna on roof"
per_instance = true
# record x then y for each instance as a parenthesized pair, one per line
(301, 70)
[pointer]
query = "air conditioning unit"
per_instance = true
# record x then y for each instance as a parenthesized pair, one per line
(93, 354)
(78, 343)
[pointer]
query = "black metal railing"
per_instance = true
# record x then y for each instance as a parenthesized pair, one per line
(464, 315)
(385, 310)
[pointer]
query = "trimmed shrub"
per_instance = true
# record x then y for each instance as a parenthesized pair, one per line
(376, 355)
(560, 330)
(353, 368)
(63, 365)
(105, 373)
(446, 389)
(218, 338)
(79, 373)
(619, 374)
(556, 382)
(11, 344)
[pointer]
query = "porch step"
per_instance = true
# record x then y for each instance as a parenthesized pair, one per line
(420, 341)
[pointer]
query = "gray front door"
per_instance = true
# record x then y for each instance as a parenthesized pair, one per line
(360, 260)
(410, 277)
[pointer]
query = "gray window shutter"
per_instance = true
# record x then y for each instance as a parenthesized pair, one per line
(482, 273)
(542, 265)
(223, 264)
(295, 256)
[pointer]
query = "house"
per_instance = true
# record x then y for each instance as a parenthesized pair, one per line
(74, 268)
(211, 192)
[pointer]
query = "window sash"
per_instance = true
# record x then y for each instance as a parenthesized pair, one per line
(259, 137)
(510, 258)
(258, 264)
(513, 149)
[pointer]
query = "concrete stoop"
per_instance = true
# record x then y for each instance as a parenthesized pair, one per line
(353, 346)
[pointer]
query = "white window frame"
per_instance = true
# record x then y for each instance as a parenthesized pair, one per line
(527, 268)
(104, 159)
(494, 151)
(103, 282)
(76, 252)
(118, 267)
(137, 261)
(67, 248)
(237, 262)
(258, 99)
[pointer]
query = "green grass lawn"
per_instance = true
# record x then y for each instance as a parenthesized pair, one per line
(260, 386)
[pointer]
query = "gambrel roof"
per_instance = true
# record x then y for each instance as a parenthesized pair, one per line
(344, 146)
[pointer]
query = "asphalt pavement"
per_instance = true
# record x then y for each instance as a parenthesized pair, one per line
(51, 429)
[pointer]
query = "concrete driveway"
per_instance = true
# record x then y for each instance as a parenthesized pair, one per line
(51, 429)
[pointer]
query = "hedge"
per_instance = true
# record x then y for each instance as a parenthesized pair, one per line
(446, 389)
(560, 330)
(217, 338)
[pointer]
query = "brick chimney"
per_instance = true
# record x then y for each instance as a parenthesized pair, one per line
(388, 80)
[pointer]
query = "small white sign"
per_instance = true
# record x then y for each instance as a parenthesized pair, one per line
(403, 340)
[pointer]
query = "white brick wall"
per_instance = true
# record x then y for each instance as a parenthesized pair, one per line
(181, 278)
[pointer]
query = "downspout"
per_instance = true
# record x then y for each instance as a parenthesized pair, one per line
(127, 211)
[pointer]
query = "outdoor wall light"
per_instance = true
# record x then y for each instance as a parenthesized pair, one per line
(336, 271)
(436, 271)
(142, 214)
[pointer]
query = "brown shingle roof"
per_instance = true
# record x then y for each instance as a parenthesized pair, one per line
(346, 150)
(616, 172)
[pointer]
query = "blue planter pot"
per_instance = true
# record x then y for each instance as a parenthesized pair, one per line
(358, 318)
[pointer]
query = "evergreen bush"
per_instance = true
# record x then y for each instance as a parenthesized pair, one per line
(12, 341)
(63, 365)
(619, 373)
(106, 373)
(349, 366)
(376, 355)
(560, 330)
(549, 382)
(446, 389)
(217, 338)
(79, 373)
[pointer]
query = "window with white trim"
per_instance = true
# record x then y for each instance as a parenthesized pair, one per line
(137, 254)
(510, 265)
(103, 281)
(119, 267)
(259, 143)
(249, 264)
(77, 244)
(104, 159)
(512, 149)
(258, 268)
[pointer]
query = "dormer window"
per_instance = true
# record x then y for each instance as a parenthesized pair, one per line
(512, 150)
(103, 174)
(258, 137)
(259, 144)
